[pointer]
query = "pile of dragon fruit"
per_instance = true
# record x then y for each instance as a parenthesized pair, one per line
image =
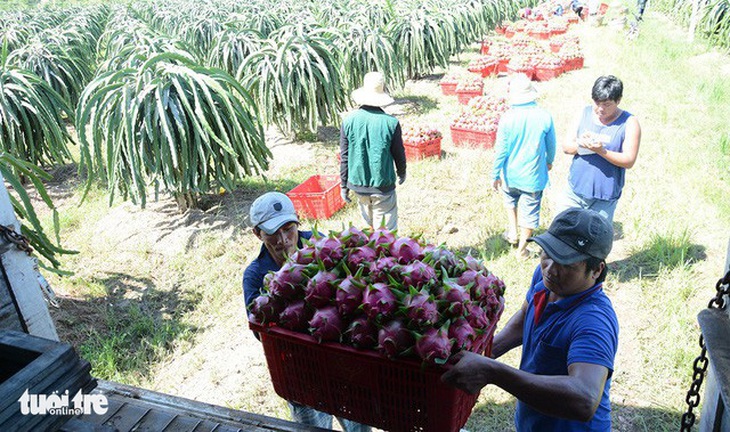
(371, 289)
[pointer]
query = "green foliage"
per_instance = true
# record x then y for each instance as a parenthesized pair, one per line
(11, 170)
(295, 77)
(32, 126)
(169, 122)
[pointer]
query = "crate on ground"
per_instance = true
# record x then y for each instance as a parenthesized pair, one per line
(422, 151)
(318, 197)
(574, 63)
(473, 138)
(464, 96)
(545, 73)
(448, 88)
(393, 395)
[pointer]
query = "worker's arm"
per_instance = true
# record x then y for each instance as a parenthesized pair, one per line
(511, 335)
(574, 396)
(570, 144)
(629, 150)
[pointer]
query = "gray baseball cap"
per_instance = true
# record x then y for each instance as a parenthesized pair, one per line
(271, 211)
(576, 235)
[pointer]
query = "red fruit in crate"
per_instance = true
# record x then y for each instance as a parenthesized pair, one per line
(434, 346)
(295, 317)
(348, 297)
(353, 237)
(382, 239)
(462, 333)
(265, 309)
(304, 255)
(326, 325)
(453, 299)
(418, 274)
(329, 250)
(360, 256)
(420, 308)
(362, 333)
(379, 301)
(394, 339)
(476, 316)
(320, 290)
(405, 250)
(382, 268)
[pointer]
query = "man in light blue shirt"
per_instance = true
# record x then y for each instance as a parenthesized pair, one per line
(525, 151)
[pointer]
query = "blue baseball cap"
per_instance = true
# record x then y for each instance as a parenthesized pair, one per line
(271, 211)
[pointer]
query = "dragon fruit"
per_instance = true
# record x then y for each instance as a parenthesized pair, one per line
(440, 259)
(320, 290)
(434, 346)
(473, 263)
(462, 333)
(382, 267)
(405, 250)
(379, 300)
(362, 333)
(276, 288)
(329, 251)
(349, 295)
(418, 274)
(382, 240)
(265, 309)
(304, 255)
(360, 256)
(353, 237)
(394, 339)
(476, 316)
(453, 299)
(326, 325)
(295, 317)
(420, 308)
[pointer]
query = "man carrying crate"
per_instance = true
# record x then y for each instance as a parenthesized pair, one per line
(568, 331)
(275, 223)
(372, 154)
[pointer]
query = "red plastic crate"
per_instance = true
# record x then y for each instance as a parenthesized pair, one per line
(465, 96)
(573, 64)
(484, 49)
(422, 151)
(473, 138)
(448, 89)
(541, 34)
(547, 73)
(500, 30)
(318, 197)
(555, 46)
(502, 65)
(486, 71)
(363, 386)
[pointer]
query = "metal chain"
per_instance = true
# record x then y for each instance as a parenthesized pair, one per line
(700, 364)
(19, 240)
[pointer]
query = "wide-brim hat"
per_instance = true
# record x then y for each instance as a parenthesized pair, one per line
(521, 90)
(372, 92)
(575, 235)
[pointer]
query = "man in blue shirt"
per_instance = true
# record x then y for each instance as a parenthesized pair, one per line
(568, 331)
(524, 154)
(275, 223)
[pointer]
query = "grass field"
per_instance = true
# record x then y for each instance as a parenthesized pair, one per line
(156, 297)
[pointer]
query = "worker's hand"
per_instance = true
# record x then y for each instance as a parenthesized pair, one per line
(550, 166)
(470, 373)
(402, 179)
(497, 184)
(345, 194)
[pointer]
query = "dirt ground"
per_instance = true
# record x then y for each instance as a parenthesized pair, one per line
(225, 364)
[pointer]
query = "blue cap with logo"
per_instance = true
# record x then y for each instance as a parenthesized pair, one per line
(576, 235)
(271, 211)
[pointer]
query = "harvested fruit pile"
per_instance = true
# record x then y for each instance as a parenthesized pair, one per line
(372, 290)
(420, 135)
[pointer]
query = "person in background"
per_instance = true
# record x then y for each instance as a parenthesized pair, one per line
(604, 144)
(577, 7)
(568, 331)
(275, 223)
(372, 154)
(641, 4)
(524, 153)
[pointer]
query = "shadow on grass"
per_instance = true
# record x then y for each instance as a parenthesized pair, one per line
(128, 328)
(490, 249)
(500, 417)
(415, 105)
(660, 252)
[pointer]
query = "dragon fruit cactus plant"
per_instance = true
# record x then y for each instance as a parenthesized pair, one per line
(375, 290)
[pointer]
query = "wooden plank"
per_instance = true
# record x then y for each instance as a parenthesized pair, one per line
(182, 423)
(78, 425)
(715, 325)
(154, 421)
(9, 314)
(23, 279)
(127, 417)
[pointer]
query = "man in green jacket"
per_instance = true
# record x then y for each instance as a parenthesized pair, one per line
(372, 154)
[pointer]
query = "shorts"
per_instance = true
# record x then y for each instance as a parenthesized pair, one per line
(605, 208)
(527, 203)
